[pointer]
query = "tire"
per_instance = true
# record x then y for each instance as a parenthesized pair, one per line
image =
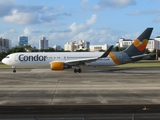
(79, 70)
(14, 71)
(75, 70)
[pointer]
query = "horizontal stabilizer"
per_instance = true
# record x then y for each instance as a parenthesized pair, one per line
(144, 55)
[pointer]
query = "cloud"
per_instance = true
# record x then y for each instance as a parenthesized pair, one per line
(27, 15)
(83, 26)
(84, 31)
(153, 0)
(148, 12)
(84, 1)
(137, 12)
(132, 36)
(5, 7)
(92, 20)
(26, 18)
(74, 32)
(102, 4)
(10, 34)
(83, 4)
(27, 31)
(52, 17)
(12, 30)
(21, 18)
(157, 19)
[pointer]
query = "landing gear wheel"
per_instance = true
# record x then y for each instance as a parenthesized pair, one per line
(79, 70)
(14, 70)
(75, 71)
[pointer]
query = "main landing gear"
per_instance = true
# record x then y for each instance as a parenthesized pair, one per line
(77, 70)
(14, 69)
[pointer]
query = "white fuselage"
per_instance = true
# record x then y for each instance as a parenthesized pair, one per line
(45, 58)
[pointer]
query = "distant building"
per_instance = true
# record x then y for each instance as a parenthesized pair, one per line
(73, 45)
(57, 47)
(158, 42)
(152, 43)
(5, 45)
(94, 48)
(124, 43)
(83, 45)
(70, 46)
(22, 40)
(43, 44)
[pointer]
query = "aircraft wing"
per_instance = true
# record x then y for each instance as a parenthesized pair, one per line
(82, 61)
(144, 55)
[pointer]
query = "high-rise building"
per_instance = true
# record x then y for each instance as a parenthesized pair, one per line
(5, 44)
(22, 40)
(43, 44)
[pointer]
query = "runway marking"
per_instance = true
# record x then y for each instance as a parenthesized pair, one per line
(92, 87)
(54, 93)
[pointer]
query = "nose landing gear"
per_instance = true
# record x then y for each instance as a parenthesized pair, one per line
(14, 69)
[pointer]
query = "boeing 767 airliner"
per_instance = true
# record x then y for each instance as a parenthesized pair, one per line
(64, 60)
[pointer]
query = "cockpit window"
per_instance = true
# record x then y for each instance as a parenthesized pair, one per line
(7, 56)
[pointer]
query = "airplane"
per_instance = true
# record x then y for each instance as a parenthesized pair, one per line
(65, 60)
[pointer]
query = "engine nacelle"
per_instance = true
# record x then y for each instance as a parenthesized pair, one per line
(59, 66)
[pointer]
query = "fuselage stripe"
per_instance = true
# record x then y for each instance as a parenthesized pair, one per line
(113, 57)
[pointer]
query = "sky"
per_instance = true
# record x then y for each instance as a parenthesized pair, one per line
(60, 21)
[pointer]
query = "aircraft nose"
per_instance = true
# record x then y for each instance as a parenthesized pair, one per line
(3, 60)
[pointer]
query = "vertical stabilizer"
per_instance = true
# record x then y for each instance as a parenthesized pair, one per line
(139, 45)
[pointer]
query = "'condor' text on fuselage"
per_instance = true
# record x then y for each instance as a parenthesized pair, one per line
(37, 57)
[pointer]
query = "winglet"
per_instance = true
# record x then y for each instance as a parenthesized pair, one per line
(107, 52)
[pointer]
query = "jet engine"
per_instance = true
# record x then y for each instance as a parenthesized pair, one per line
(59, 66)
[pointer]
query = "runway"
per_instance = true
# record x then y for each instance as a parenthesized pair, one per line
(94, 86)
(96, 93)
